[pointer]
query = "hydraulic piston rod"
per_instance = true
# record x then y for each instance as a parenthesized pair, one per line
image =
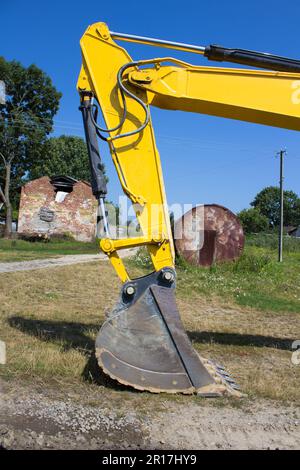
(220, 54)
(158, 42)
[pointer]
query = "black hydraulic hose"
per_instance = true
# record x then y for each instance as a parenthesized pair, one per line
(102, 129)
(98, 179)
(134, 97)
(124, 91)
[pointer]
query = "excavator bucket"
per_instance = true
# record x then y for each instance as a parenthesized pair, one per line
(143, 344)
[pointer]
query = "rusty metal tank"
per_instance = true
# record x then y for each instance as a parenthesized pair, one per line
(208, 234)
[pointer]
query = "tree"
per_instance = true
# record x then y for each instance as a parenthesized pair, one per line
(26, 118)
(268, 203)
(253, 221)
(64, 155)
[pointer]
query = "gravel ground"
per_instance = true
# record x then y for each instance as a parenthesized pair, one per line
(62, 261)
(40, 422)
(31, 419)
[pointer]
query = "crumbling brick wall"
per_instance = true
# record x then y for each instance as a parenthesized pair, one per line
(40, 213)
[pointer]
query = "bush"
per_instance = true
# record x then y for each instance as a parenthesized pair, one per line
(270, 240)
(253, 221)
(251, 263)
(142, 259)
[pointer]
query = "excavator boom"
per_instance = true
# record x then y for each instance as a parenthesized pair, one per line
(142, 343)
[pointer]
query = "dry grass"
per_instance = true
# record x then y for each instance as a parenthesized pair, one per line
(254, 346)
(49, 319)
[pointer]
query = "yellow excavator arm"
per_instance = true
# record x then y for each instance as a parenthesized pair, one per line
(261, 97)
(124, 89)
(264, 97)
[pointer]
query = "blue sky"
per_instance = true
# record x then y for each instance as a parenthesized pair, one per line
(205, 159)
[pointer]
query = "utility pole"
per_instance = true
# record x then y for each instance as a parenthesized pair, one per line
(280, 239)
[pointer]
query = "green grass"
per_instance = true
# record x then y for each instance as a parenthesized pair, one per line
(20, 250)
(256, 280)
(270, 241)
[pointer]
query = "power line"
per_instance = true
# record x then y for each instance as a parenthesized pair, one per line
(203, 144)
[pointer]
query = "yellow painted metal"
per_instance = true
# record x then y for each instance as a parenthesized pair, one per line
(118, 265)
(136, 157)
(111, 247)
(108, 245)
(248, 95)
(261, 97)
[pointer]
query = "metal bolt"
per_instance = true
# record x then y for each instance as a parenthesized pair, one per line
(130, 290)
(168, 276)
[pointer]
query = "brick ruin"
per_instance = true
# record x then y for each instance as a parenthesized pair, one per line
(60, 205)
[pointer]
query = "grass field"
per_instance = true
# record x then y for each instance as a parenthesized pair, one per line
(245, 315)
(21, 250)
(256, 280)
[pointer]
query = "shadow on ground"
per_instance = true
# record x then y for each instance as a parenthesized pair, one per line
(237, 339)
(73, 335)
(69, 335)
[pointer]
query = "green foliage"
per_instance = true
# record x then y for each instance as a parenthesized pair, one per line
(251, 263)
(15, 214)
(270, 241)
(267, 201)
(253, 221)
(64, 155)
(25, 119)
(113, 213)
(142, 259)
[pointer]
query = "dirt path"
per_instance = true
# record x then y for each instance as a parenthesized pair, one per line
(261, 426)
(31, 419)
(52, 262)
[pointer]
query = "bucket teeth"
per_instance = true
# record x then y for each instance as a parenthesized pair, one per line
(220, 373)
(236, 386)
